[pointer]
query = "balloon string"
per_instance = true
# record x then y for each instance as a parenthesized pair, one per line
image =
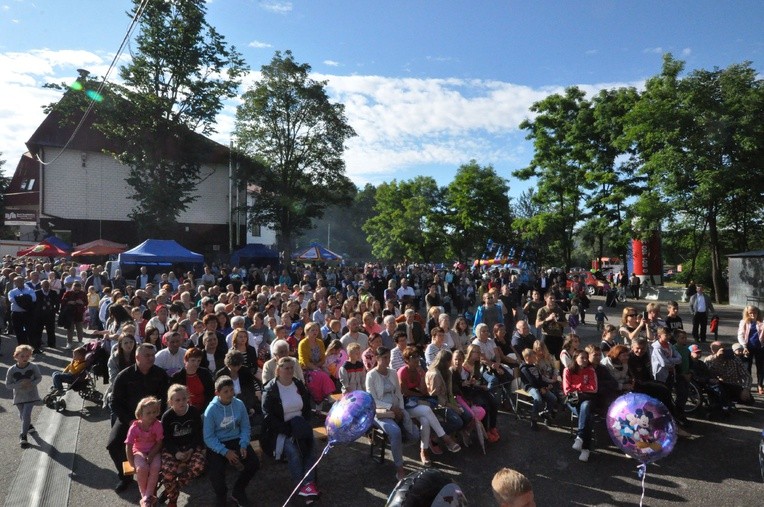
(324, 453)
(642, 473)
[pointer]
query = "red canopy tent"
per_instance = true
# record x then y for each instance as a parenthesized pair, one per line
(42, 250)
(99, 247)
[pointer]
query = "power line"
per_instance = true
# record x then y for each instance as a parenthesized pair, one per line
(120, 50)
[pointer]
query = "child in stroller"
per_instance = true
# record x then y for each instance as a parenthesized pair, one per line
(80, 378)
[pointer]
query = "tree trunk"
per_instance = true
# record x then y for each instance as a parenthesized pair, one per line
(716, 268)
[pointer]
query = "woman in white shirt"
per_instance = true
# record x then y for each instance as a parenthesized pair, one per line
(287, 432)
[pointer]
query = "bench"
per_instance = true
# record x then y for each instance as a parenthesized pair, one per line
(754, 300)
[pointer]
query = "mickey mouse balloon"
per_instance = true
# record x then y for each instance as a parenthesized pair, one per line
(642, 427)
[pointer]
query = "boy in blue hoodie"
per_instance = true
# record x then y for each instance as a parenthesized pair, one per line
(226, 434)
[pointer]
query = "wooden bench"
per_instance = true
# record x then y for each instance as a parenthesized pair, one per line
(754, 300)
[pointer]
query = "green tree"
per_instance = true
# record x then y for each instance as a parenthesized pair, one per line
(610, 171)
(559, 132)
(701, 141)
(287, 122)
(533, 242)
(408, 221)
(174, 86)
(477, 209)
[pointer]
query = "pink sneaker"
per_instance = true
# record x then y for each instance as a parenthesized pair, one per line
(309, 489)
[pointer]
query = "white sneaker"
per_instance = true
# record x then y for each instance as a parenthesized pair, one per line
(584, 455)
(68, 346)
(578, 444)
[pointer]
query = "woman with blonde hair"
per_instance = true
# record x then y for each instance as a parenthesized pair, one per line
(750, 334)
(312, 354)
(632, 325)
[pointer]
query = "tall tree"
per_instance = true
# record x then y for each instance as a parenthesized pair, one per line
(477, 209)
(558, 132)
(287, 122)
(408, 222)
(702, 141)
(610, 167)
(180, 73)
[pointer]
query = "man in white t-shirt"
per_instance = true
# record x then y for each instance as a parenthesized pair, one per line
(171, 358)
(354, 335)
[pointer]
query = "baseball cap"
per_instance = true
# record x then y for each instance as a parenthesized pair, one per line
(694, 348)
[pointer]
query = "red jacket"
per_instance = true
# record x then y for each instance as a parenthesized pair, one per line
(585, 381)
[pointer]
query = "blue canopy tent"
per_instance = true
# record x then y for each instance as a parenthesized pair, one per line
(316, 252)
(58, 242)
(159, 252)
(254, 253)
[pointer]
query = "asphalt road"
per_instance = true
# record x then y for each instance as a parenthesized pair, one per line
(69, 465)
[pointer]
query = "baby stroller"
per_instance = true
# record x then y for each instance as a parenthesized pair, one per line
(84, 384)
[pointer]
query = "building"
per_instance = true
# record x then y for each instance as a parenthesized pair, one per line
(79, 193)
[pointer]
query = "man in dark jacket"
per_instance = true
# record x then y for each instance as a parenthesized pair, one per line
(47, 305)
(131, 386)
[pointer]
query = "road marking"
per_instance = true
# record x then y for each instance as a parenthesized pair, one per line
(44, 475)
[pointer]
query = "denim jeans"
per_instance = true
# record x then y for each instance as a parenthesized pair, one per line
(297, 463)
(60, 377)
(540, 399)
(394, 436)
(583, 411)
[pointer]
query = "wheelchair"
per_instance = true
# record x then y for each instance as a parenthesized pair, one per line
(84, 385)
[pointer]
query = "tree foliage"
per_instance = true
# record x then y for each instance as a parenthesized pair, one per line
(558, 132)
(408, 221)
(181, 71)
(477, 209)
(701, 142)
(287, 122)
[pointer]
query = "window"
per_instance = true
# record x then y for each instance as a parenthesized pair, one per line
(255, 230)
(30, 185)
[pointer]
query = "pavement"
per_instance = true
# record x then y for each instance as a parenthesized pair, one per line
(68, 465)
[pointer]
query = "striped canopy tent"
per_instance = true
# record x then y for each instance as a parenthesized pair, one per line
(316, 253)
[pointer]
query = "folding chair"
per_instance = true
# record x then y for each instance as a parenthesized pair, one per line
(522, 397)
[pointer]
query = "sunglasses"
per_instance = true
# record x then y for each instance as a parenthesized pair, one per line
(631, 315)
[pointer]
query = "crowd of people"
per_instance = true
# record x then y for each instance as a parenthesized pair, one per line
(197, 367)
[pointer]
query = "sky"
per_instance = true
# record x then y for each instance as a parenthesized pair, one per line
(427, 85)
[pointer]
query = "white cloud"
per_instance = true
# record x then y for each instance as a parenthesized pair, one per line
(440, 59)
(403, 124)
(591, 51)
(657, 50)
(686, 52)
(277, 7)
(331, 63)
(257, 44)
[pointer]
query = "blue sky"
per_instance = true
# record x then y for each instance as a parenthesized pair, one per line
(427, 85)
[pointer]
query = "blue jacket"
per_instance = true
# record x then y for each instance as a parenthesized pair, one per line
(223, 423)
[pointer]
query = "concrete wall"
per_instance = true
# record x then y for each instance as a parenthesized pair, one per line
(746, 278)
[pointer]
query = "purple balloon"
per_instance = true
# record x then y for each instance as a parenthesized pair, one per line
(351, 417)
(642, 427)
